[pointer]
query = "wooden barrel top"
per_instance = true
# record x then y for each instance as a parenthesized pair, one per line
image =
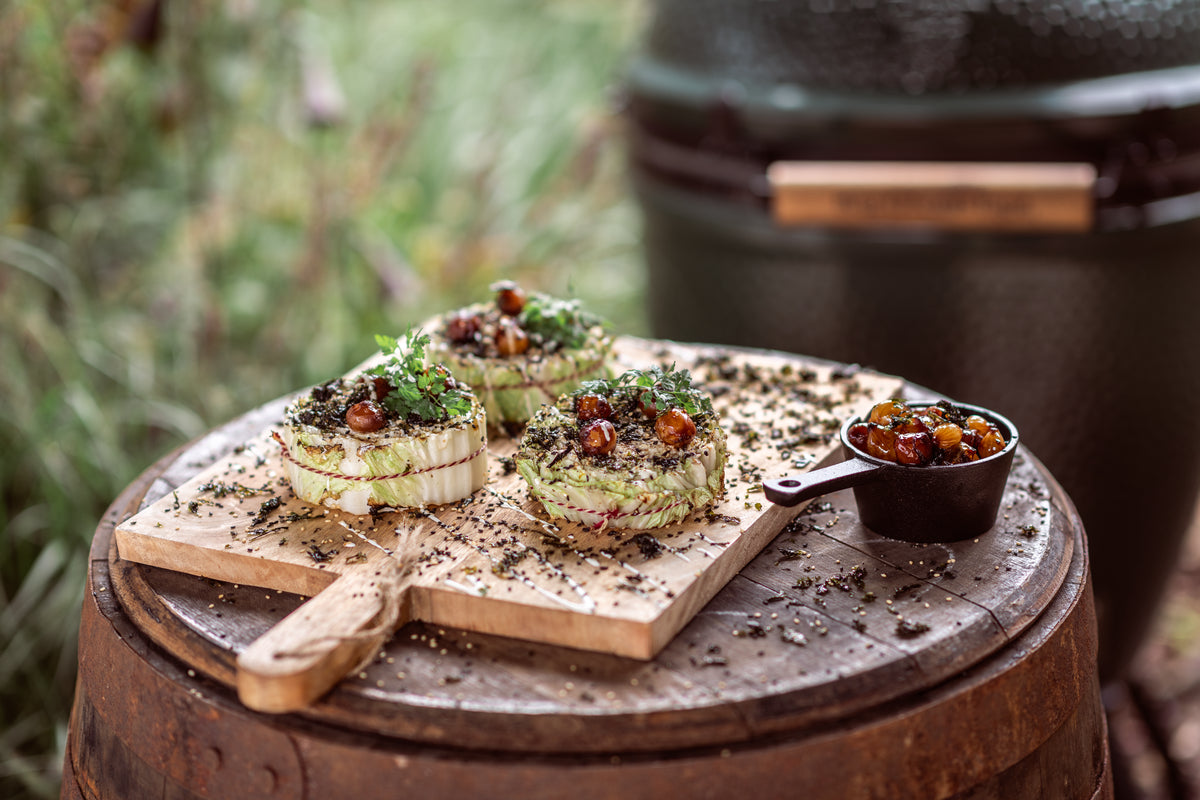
(828, 622)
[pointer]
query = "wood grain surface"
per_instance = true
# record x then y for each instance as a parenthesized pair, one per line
(827, 621)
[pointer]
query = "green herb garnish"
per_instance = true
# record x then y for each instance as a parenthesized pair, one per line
(419, 391)
(559, 321)
(662, 388)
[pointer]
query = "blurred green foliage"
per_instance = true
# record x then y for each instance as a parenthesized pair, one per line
(205, 205)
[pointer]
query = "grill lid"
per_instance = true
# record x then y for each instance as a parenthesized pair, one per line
(916, 48)
(724, 88)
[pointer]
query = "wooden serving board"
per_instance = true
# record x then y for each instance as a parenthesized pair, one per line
(495, 563)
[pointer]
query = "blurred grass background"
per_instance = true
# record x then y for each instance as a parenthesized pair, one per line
(205, 205)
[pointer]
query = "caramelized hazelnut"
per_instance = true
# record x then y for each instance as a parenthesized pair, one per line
(439, 371)
(911, 424)
(463, 327)
(882, 413)
(592, 406)
(935, 434)
(365, 417)
(914, 449)
(978, 424)
(930, 421)
(674, 427)
(881, 442)
(857, 435)
(967, 453)
(511, 338)
(381, 386)
(646, 405)
(947, 436)
(992, 443)
(598, 437)
(510, 298)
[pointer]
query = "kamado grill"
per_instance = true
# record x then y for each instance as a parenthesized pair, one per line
(838, 180)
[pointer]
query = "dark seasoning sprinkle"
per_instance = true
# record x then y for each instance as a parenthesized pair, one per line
(766, 407)
(651, 545)
(853, 581)
(807, 611)
(275, 515)
(733, 383)
(909, 588)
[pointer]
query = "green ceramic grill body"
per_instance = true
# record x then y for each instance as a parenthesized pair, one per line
(1087, 340)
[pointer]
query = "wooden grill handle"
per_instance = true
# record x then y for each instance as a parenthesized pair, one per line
(980, 196)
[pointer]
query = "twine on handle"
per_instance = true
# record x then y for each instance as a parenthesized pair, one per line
(388, 589)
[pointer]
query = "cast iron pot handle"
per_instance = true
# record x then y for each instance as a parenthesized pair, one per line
(792, 491)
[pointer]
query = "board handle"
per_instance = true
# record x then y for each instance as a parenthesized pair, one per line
(307, 652)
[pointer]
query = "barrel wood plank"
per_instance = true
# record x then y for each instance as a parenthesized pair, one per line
(1024, 721)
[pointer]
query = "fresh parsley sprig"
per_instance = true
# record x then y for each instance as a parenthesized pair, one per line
(418, 391)
(561, 322)
(662, 388)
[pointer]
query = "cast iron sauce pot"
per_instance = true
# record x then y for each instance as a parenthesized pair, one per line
(942, 503)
